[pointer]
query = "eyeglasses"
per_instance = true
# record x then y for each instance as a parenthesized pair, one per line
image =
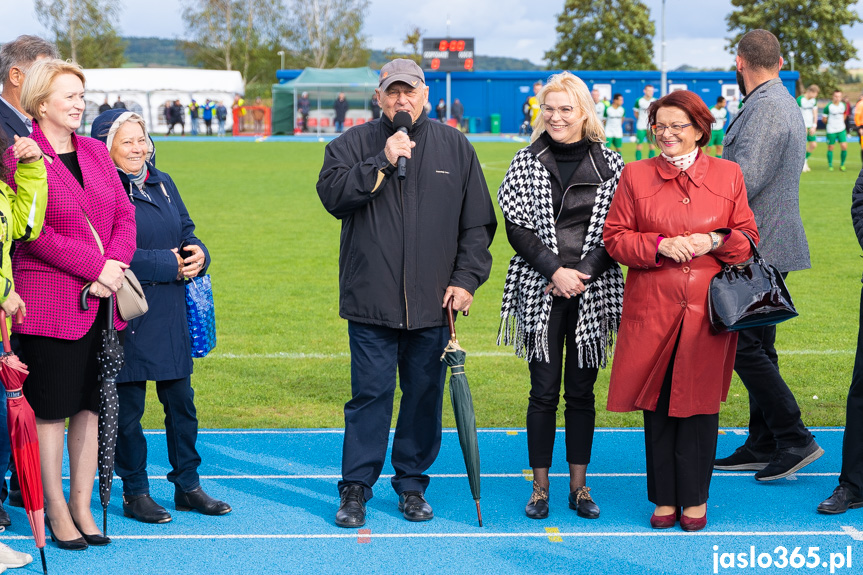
(673, 129)
(564, 111)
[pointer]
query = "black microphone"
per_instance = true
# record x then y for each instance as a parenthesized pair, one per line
(401, 122)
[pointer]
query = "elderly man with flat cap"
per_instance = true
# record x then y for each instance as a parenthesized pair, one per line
(409, 246)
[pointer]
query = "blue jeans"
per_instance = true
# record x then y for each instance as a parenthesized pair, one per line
(181, 432)
(340, 126)
(194, 125)
(222, 127)
(376, 354)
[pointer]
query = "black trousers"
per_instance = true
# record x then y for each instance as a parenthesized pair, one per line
(376, 354)
(852, 442)
(680, 452)
(579, 412)
(181, 433)
(774, 416)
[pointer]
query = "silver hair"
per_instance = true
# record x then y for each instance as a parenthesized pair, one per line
(22, 52)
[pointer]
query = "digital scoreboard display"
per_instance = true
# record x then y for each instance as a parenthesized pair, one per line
(447, 54)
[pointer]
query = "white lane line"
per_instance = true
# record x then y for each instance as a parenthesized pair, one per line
(313, 355)
(743, 474)
(352, 534)
(335, 477)
(337, 431)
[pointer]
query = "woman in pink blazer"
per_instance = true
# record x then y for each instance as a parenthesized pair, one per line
(59, 341)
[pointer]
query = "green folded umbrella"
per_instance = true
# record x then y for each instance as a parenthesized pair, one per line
(462, 405)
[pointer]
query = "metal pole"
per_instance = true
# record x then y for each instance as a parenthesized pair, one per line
(791, 53)
(448, 95)
(663, 87)
(282, 54)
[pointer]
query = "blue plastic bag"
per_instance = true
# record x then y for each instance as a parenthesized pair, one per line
(202, 315)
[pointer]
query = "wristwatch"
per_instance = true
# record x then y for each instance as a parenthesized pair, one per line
(716, 239)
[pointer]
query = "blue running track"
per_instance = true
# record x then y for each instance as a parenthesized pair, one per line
(282, 486)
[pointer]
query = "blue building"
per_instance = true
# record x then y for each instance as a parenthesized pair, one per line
(504, 92)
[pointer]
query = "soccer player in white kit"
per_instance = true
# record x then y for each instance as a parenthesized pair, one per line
(834, 115)
(640, 110)
(808, 103)
(614, 122)
(599, 104)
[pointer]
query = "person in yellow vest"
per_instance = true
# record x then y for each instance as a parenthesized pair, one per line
(534, 102)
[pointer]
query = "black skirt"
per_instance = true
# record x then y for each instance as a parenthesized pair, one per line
(64, 374)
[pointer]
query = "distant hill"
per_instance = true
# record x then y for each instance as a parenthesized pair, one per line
(378, 58)
(154, 53)
(167, 53)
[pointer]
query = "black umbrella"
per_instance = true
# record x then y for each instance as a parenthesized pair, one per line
(110, 363)
(462, 406)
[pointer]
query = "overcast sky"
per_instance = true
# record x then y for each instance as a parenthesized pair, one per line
(695, 31)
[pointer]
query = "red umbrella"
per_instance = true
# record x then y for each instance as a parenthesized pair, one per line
(22, 436)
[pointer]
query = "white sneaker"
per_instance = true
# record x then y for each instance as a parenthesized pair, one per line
(806, 166)
(11, 558)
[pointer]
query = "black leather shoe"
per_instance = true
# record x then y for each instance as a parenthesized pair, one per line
(5, 521)
(200, 502)
(144, 509)
(15, 499)
(414, 506)
(841, 501)
(352, 508)
(78, 544)
(583, 503)
(98, 539)
(537, 505)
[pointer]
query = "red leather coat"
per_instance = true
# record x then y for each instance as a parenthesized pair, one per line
(663, 298)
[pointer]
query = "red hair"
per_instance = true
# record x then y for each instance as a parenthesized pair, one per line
(694, 107)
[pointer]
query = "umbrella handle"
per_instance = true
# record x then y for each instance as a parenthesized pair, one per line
(451, 320)
(85, 291)
(19, 319)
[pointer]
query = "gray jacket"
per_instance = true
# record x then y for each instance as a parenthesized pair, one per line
(768, 140)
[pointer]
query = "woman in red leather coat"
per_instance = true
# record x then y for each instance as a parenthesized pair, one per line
(674, 221)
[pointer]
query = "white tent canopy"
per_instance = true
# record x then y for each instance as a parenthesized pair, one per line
(145, 90)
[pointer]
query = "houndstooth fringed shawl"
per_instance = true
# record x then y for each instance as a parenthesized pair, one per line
(525, 199)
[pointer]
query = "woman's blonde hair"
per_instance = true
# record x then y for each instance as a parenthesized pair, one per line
(39, 81)
(581, 99)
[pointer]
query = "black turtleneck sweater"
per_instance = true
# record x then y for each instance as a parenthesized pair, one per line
(574, 180)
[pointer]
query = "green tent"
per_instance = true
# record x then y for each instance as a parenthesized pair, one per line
(323, 87)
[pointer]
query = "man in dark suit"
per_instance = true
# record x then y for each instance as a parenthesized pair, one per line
(16, 57)
(768, 139)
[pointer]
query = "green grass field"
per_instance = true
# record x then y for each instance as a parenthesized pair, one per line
(282, 360)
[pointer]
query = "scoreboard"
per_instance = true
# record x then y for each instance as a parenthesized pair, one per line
(447, 54)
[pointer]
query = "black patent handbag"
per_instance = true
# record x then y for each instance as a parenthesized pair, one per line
(749, 295)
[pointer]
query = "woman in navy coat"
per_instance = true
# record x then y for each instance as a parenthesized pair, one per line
(157, 344)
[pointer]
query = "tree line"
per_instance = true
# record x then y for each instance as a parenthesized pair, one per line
(248, 35)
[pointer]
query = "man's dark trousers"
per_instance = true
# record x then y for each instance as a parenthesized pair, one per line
(376, 353)
(852, 442)
(774, 416)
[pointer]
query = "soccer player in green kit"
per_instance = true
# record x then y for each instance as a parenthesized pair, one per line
(640, 110)
(834, 116)
(808, 103)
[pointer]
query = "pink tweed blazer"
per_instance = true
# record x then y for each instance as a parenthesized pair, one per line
(51, 271)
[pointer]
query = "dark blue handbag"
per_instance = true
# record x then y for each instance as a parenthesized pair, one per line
(202, 315)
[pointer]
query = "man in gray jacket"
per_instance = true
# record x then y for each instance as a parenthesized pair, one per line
(768, 140)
